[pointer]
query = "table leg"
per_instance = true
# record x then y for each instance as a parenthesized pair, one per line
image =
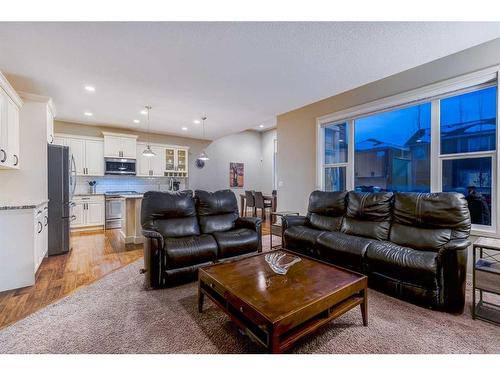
(274, 203)
(364, 307)
(274, 345)
(201, 297)
(242, 203)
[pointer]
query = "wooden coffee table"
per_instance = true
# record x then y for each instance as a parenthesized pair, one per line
(276, 310)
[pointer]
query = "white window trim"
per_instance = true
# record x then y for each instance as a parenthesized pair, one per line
(433, 94)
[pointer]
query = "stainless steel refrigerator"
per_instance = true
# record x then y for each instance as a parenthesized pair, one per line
(61, 184)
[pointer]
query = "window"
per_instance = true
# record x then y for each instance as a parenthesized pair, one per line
(471, 177)
(392, 150)
(468, 122)
(442, 137)
(468, 144)
(335, 156)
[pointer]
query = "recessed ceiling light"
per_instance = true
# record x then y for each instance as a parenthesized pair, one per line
(90, 88)
(261, 126)
(136, 121)
(197, 121)
(144, 112)
(89, 114)
(184, 128)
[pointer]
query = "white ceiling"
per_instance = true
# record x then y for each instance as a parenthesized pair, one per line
(239, 74)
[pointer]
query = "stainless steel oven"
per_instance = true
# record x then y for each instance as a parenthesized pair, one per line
(119, 166)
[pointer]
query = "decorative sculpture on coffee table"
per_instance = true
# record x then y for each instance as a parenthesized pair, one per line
(280, 262)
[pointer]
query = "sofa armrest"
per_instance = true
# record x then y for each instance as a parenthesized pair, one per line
(154, 235)
(457, 244)
(288, 221)
(252, 223)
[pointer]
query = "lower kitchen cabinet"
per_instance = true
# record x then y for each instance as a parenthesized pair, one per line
(24, 234)
(87, 211)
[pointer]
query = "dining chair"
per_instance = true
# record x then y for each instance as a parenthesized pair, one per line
(249, 202)
(261, 204)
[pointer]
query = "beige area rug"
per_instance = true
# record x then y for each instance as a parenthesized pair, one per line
(116, 315)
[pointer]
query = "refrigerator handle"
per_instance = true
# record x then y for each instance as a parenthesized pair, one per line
(73, 176)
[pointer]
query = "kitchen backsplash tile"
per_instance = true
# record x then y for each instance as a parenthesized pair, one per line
(115, 183)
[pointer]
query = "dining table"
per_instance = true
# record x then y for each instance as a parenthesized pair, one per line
(267, 197)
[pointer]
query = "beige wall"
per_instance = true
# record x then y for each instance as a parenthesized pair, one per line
(28, 185)
(268, 138)
(297, 129)
(244, 147)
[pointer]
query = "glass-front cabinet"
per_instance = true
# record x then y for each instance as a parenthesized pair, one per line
(170, 159)
(176, 162)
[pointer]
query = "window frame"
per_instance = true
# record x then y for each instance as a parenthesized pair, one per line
(432, 94)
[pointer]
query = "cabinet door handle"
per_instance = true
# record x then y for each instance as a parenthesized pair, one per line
(17, 160)
(46, 220)
(51, 139)
(73, 218)
(40, 227)
(4, 156)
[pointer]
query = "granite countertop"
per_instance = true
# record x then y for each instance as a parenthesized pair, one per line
(132, 196)
(23, 206)
(85, 195)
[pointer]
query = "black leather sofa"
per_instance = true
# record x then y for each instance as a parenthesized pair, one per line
(183, 232)
(411, 245)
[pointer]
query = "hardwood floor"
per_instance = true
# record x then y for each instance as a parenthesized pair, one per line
(93, 255)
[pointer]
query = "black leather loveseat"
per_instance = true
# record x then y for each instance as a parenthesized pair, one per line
(411, 245)
(183, 232)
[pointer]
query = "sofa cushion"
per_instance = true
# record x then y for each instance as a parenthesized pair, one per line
(236, 242)
(427, 221)
(217, 212)
(188, 251)
(403, 263)
(342, 249)
(368, 215)
(302, 239)
(170, 214)
(326, 209)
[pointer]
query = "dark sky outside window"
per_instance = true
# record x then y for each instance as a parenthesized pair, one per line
(468, 122)
(392, 150)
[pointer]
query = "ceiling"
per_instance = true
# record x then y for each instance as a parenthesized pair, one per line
(240, 75)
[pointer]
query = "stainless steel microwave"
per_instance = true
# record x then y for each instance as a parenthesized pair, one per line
(120, 166)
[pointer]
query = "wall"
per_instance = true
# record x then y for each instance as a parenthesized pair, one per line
(297, 129)
(28, 185)
(268, 138)
(245, 147)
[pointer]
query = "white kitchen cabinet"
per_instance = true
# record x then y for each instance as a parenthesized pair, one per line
(50, 124)
(24, 245)
(120, 145)
(152, 165)
(176, 161)
(41, 230)
(77, 215)
(94, 214)
(77, 149)
(87, 211)
(94, 157)
(10, 103)
(87, 152)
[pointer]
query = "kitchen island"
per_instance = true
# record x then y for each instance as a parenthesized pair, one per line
(131, 229)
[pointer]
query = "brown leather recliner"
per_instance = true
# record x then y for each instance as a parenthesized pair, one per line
(411, 245)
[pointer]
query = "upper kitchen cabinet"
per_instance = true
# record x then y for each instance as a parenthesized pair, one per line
(151, 165)
(176, 161)
(87, 152)
(50, 122)
(120, 145)
(10, 104)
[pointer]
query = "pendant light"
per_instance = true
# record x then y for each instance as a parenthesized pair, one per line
(147, 151)
(203, 154)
